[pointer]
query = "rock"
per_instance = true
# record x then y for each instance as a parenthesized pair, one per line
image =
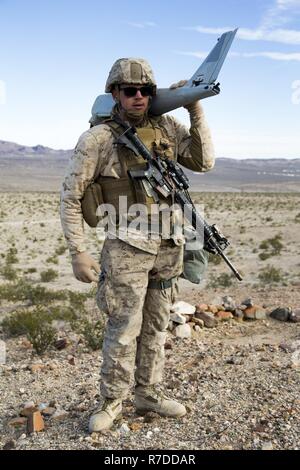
(260, 314)
(52, 403)
(151, 416)
(235, 360)
(16, 422)
(124, 429)
(201, 307)
(42, 406)
(198, 322)
(71, 360)
(242, 307)
(52, 366)
(168, 345)
(26, 343)
(9, 445)
(207, 318)
(248, 302)
(281, 313)
(170, 325)
(178, 318)
(136, 426)
(49, 411)
(254, 313)
(29, 404)
(22, 391)
(61, 343)
(224, 316)
(267, 446)
(36, 367)
(249, 313)
(295, 316)
(238, 314)
(28, 411)
(183, 331)
(212, 308)
(149, 434)
(229, 303)
(35, 422)
(183, 308)
(197, 328)
(60, 415)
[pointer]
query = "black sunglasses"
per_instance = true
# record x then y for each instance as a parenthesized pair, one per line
(131, 91)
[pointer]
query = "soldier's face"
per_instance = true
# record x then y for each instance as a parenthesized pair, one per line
(138, 103)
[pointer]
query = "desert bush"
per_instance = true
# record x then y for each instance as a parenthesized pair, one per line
(214, 259)
(92, 332)
(270, 275)
(49, 275)
(60, 250)
(8, 272)
(36, 324)
(30, 270)
(11, 257)
(52, 259)
(23, 290)
(223, 280)
(272, 247)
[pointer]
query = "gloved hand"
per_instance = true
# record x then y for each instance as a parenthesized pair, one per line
(195, 107)
(178, 84)
(83, 264)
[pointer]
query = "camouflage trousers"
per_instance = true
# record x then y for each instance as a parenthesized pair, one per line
(138, 316)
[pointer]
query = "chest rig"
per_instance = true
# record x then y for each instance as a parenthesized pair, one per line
(156, 140)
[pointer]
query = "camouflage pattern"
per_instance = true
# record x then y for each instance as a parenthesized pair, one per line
(131, 71)
(137, 317)
(95, 154)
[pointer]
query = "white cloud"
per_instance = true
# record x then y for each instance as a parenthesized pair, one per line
(284, 36)
(296, 94)
(270, 55)
(2, 92)
(280, 13)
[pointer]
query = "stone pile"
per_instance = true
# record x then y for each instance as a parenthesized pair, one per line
(32, 416)
(186, 319)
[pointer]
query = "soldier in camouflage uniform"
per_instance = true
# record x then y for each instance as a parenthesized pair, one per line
(138, 274)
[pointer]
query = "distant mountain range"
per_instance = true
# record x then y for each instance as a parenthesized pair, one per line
(12, 150)
(40, 168)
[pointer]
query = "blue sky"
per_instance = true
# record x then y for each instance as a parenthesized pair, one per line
(55, 56)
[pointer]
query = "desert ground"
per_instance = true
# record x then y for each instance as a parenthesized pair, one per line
(239, 380)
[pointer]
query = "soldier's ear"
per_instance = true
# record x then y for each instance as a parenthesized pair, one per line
(115, 95)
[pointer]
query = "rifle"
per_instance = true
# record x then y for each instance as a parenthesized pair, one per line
(167, 178)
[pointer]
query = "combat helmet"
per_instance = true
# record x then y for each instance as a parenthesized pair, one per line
(131, 71)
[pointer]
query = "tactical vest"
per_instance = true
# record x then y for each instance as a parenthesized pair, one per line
(156, 140)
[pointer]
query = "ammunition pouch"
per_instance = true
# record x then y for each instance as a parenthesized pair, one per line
(195, 259)
(92, 198)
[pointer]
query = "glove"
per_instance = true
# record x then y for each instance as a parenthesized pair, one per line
(178, 84)
(82, 264)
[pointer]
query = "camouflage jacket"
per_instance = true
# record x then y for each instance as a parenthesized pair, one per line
(95, 150)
